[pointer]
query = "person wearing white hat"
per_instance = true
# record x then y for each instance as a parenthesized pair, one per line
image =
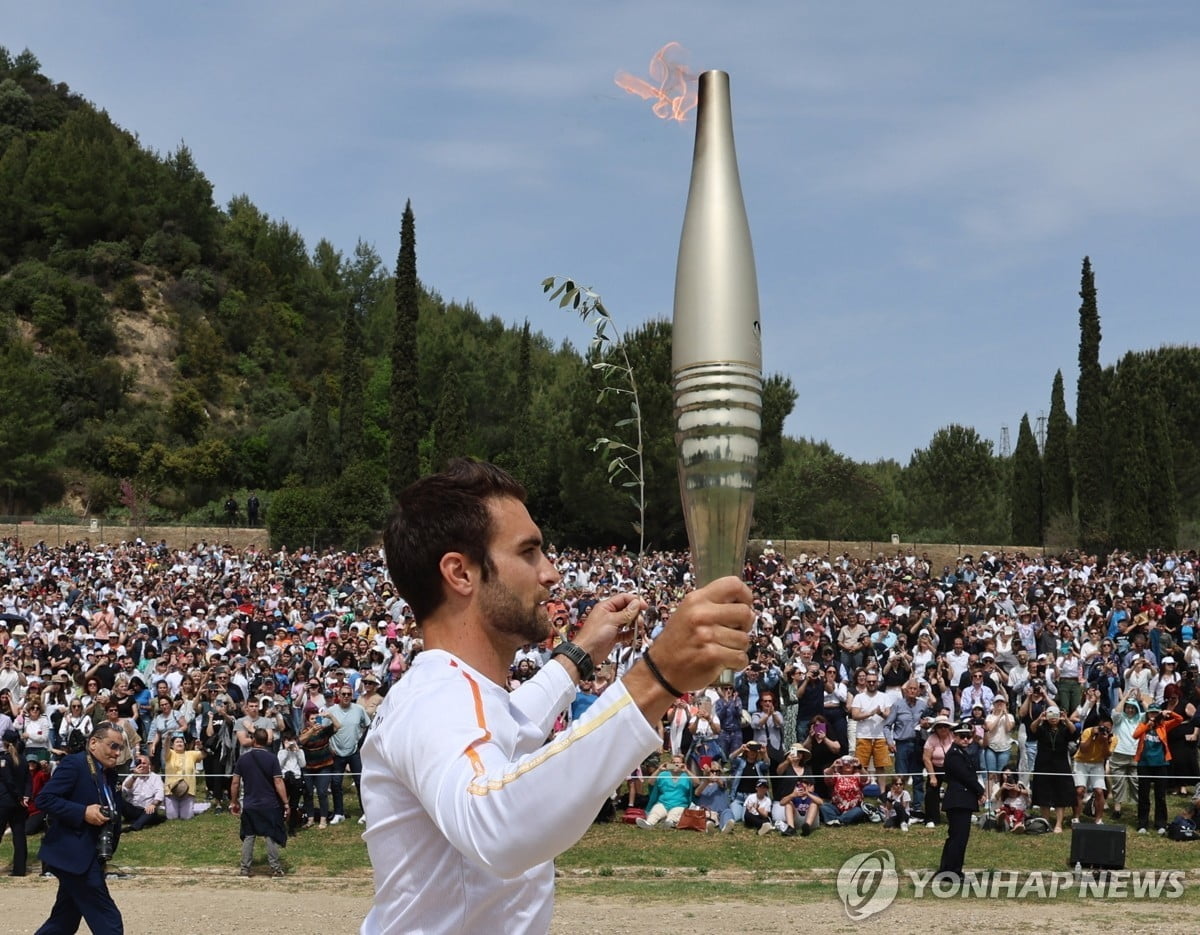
(962, 799)
(1053, 777)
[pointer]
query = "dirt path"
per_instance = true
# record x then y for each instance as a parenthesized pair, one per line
(208, 904)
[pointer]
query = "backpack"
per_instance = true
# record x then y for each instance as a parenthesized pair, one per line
(76, 741)
(1036, 826)
(1182, 829)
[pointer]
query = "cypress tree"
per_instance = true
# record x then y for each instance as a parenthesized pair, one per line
(404, 464)
(1027, 519)
(450, 427)
(351, 428)
(519, 455)
(1090, 451)
(1162, 505)
(321, 456)
(1056, 459)
(1131, 465)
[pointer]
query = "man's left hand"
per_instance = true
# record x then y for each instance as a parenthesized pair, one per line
(611, 621)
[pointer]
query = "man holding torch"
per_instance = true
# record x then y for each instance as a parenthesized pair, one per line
(455, 764)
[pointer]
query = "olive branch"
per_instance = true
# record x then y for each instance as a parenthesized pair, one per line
(625, 465)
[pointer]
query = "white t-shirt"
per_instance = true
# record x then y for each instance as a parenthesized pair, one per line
(466, 803)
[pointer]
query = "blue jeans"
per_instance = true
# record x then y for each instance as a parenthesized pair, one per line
(354, 761)
(908, 763)
(852, 816)
(317, 779)
(994, 761)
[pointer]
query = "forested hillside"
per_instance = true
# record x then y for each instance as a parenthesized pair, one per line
(160, 353)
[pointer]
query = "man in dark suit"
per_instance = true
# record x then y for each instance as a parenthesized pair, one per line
(74, 800)
(960, 800)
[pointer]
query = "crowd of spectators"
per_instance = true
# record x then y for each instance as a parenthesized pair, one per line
(859, 670)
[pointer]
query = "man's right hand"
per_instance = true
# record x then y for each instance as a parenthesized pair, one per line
(707, 634)
(93, 816)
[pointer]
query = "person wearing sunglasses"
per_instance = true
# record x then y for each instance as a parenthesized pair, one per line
(82, 803)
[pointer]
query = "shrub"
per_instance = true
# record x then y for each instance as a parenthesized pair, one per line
(128, 295)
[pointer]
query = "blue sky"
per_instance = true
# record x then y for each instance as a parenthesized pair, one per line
(922, 179)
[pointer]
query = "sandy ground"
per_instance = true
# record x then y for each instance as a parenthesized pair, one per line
(217, 903)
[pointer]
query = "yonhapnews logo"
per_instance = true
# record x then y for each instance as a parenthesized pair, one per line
(868, 883)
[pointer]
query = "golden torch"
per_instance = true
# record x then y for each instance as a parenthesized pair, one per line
(716, 366)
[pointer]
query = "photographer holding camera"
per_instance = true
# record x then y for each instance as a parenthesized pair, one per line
(82, 805)
(1095, 744)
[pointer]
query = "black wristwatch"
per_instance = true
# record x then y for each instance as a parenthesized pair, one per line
(579, 656)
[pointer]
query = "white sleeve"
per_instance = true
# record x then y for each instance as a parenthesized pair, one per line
(485, 800)
(542, 697)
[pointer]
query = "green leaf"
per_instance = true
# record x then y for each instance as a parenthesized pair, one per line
(624, 422)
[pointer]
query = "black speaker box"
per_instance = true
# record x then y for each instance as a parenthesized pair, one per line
(1099, 847)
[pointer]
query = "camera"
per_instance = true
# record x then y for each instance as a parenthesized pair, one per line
(106, 844)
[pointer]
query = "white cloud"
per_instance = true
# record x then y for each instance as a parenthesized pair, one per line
(1041, 157)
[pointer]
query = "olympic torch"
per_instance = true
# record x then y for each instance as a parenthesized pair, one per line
(716, 367)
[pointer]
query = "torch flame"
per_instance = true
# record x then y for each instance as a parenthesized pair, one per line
(674, 87)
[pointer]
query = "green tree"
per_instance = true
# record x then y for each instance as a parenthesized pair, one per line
(778, 400)
(450, 427)
(364, 283)
(1059, 484)
(1090, 459)
(26, 425)
(1162, 506)
(186, 415)
(517, 457)
(818, 493)
(322, 459)
(16, 106)
(404, 465)
(952, 486)
(1132, 492)
(1027, 519)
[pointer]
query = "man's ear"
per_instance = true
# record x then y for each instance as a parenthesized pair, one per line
(460, 574)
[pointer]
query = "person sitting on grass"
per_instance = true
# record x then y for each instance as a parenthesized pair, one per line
(846, 782)
(142, 793)
(757, 814)
(670, 794)
(804, 807)
(748, 764)
(789, 773)
(1012, 795)
(896, 804)
(711, 795)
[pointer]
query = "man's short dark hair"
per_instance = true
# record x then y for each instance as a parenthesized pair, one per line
(446, 512)
(103, 729)
(261, 738)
